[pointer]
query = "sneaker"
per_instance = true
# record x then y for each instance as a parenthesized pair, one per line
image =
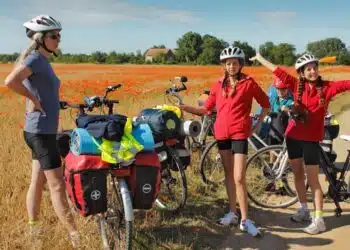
(248, 226)
(228, 219)
(75, 239)
(317, 226)
(301, 215)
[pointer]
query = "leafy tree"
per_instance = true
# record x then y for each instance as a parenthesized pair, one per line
(284, 53)
(99, 57)
(158, 46)
(327, 47)
(266, 50)
(211, 49)
(189, 47)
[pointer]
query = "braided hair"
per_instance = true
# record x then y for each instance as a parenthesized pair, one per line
(226, 82)
(301, 87)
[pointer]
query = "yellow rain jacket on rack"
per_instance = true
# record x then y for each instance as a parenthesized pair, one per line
(122, 152)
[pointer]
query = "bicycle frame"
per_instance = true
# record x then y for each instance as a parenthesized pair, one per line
(280, 164)
(335, 184)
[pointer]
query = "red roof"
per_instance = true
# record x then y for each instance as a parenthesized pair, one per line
(154, 52)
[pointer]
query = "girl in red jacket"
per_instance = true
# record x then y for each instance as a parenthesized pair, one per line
(232, 95)
(312, 96)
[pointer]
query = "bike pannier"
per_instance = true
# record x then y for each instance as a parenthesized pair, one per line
(85, 178)
(144, 181)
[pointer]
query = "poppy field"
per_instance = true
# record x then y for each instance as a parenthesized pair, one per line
(143, 86)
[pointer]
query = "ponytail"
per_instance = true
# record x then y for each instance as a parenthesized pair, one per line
(35, 43)
(224, 84)
(319, 85)
(301, 87)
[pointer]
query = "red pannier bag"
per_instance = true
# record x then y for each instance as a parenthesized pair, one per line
(145, 179)
(86, 183)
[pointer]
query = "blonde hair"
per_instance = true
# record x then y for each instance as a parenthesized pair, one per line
(35, 43)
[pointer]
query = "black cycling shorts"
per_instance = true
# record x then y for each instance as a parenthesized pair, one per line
(44, 149)
(236, 146)
(309, 150)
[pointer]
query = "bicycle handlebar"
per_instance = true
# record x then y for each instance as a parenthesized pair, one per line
(94, 101)
(174, 89)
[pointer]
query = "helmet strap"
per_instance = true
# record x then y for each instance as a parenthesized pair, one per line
(45, 48)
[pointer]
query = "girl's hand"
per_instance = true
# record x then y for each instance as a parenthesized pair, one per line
(256, 57)
(284, 109)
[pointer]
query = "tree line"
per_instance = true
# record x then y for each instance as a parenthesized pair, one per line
(193, 48)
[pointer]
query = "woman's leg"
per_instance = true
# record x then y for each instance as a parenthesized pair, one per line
(299, 179)
(295, 153)
(240, 150)
(228, 162)
(58, 196)
(34, 192)
(240, 161)
(312, 160)
(312, 179)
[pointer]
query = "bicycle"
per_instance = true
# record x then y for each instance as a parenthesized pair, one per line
(116, 224)
(192, 143)
(338, 189)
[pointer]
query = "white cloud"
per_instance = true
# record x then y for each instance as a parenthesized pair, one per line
(103, 11)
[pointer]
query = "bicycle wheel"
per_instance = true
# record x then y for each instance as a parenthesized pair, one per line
(264, 187)
(173, 192)
(212, 169)
(116, 224)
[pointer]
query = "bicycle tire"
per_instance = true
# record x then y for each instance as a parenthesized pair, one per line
(202, 164)
(260, 203)
(116, 214)
(167, 179)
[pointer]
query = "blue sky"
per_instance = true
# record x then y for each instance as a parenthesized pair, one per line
(126, 26)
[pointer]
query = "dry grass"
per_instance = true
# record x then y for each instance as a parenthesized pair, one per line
(142, 87)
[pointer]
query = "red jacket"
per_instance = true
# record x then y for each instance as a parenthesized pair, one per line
(233, 113)
(313, 130)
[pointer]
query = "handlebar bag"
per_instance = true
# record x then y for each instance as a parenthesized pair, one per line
(110, 127)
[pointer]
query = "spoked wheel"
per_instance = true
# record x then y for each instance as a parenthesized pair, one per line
(173, 192)
(264, 189)
(116, 224)
(212, 168)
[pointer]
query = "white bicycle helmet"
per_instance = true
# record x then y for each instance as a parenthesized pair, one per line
(305, 59)
(41, 23)
(232, 52)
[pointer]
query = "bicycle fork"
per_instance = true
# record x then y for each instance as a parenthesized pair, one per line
(124, 190)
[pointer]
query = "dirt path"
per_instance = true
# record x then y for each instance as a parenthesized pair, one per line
(280, 233)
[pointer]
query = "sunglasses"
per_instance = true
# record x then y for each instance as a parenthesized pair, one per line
(54, 36)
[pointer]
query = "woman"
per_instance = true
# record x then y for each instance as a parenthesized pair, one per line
(312, 96)
(233, 95)
(34, 78)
